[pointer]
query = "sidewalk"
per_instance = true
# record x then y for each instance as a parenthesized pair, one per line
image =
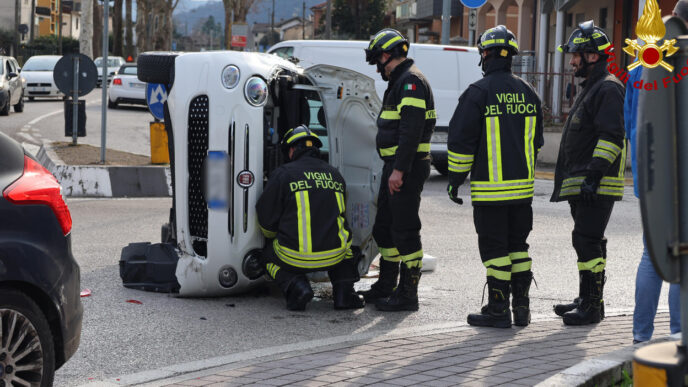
(463, 355)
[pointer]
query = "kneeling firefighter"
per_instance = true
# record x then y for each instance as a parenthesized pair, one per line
(302, 214)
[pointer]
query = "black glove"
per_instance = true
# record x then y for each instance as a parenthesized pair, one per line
(589, 187)
(453, 187)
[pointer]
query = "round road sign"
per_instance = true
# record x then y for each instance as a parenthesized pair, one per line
(473, 3)
(63, 74)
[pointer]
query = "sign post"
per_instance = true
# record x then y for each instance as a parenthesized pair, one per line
(75, 75)
(239, 35)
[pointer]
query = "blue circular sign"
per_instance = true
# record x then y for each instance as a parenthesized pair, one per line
(156, 95)
(473, 3)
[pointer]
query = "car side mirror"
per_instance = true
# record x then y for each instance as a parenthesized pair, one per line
(12, 75)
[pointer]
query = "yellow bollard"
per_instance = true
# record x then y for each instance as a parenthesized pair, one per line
(660, 364)
(158, 140)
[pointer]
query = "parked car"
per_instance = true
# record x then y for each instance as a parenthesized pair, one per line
(40, 307)
(226, 122)
(126, 87)
(11, 86)
(113, 64)
(38, 72)
(449, 69)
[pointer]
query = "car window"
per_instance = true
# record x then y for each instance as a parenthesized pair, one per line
(40, 63)
(8, 67)
(317, 119)
(128, 70)
(284, 52)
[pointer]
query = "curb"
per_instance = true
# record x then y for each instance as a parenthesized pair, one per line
(106, 181)
(603, 370)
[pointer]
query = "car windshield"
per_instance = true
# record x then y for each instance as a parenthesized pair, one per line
(129, 70)
(111, 62)
(38, 63)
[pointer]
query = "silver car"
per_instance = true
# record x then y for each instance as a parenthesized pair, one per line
(38, 72)
(126, 87)
(113, 64)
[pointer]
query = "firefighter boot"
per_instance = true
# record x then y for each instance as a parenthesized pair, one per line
(298, 292)
(345, 297)
(561, 309)
(589, 310)
(405, 296)
(520, 285)
(386, 282)
(496, 313)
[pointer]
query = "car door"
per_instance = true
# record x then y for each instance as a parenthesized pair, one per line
(350, 109)
(15, 82)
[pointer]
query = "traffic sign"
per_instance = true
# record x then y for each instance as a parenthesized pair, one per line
(63, 74)
(472, 19)
(156, 95)
(473, 3)
(239, 34)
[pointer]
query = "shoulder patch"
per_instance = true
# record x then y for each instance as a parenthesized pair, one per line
(410, 86)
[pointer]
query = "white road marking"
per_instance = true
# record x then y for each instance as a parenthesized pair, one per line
(27, 136)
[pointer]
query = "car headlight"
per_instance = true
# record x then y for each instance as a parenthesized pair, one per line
(230, 76)
(256, 91)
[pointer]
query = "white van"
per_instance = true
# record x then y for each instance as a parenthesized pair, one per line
(449, 69)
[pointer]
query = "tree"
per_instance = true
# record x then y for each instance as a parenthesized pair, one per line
(240, 8)
(86, 32)
(154, 24)
(117, 46)
(97, 38)
(358, 19)
(129, 31)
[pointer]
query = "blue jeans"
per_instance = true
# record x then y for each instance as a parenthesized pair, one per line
(648, 285)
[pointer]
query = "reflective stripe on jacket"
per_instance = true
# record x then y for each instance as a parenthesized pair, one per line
(495, 134)
(303, 207)
(407, 119)
(593, 139)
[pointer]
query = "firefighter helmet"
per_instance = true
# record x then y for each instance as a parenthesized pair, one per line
(586, 38)
(303, 134)
(498, 37)
(387, 40)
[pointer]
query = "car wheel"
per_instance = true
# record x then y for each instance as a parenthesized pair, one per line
(19, 107)
(441, 167)
(5, 111)
(112, 105)
(27, 351)
(31, 98)
(157, 67)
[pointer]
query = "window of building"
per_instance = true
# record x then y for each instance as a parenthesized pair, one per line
(603, 17)
(569, 20)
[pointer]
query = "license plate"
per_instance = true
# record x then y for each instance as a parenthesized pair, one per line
(216, 180)
(136, 85)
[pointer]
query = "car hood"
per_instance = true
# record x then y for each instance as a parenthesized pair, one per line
(38, 76)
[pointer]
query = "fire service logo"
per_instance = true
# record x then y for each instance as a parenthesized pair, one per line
(650, 29)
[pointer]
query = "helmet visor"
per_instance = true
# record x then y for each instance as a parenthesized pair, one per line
(372, 55)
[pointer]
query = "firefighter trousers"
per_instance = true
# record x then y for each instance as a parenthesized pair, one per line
(590, 221)
(502, 234)
(283, 273)
(397, 223)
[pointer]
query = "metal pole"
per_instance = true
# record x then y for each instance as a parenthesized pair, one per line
(303, 32)
(446, 21)
(103, 115)
(59, 29)
(75, 99)
(328, 20)
(542, 53)
(271, 39)
(15, 46)
(558, 67)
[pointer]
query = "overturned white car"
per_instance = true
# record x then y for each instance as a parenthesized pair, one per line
(225, 115)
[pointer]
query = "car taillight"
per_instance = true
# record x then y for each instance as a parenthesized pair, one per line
(117, 81)
(38, 186)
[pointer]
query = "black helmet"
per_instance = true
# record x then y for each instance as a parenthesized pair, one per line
(497, 37)
(385, 41)
(300, 133)
(586, 38)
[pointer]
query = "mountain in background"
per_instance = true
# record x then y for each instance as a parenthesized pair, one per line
(190, 12)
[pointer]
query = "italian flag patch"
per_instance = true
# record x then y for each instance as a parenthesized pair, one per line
(409, 86)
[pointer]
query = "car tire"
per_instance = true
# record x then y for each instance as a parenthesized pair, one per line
(5, 111)
(31, 98)
(442, 167)
(19, 107)
(156, 67)
(112, 105)
(31, 322)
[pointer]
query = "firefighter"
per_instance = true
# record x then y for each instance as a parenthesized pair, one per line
(590, 167)
(405, 126)
(302, 214)
(495, 134)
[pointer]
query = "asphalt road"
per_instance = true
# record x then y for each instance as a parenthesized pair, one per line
(122, 338)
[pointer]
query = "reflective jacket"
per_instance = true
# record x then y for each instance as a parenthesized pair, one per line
(303, 208)
(407, 118)
(496, 133)
(593, 139)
